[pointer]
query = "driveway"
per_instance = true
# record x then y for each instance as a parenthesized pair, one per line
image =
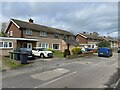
(88, 72)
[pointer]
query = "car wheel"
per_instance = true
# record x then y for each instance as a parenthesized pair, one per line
(42, 55)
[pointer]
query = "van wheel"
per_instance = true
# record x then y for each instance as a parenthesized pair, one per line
(42, 55)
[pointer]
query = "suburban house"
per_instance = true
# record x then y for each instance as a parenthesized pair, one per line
(29, 35)
(113, 42)
(88, 39)
(92, 39)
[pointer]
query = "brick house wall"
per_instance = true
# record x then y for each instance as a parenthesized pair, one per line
(16, 31)
(81, 40)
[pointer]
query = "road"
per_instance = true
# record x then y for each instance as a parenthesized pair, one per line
(89, 72)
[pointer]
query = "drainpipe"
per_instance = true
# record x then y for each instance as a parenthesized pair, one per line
(68, 46)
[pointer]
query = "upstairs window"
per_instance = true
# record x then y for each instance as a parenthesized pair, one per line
(65, 37)
(43, 34)
(72, 38)
(28, 32)
(56, 35)
(11, 33)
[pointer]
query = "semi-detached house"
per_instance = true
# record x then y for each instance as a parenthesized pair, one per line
(29, 35)
(92, 39)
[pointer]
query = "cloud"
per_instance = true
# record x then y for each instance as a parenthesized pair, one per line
(75, 16)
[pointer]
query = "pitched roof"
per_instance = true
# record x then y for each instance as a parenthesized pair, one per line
(37, 27)
(72, 42)
(90, 36)
(110, 38)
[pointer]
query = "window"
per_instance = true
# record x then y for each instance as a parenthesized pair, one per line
(11, 33)
(72, 37)
(10, 44)
(56, 46)
(56, 35)
(28, 32)
(1, 44)
(65, 37)
(43, 34)
(92, 46)
(44, 45)
(77, 39)
(6, 44)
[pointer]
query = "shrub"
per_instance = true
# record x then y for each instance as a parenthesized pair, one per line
(66, 52)
(104, 44)
(95, 51)
(50, 49)
(76, 50)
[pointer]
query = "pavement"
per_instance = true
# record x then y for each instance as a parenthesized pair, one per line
(86, 72)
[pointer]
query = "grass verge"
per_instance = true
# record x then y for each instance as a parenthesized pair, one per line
(58, 54)
(8, 63)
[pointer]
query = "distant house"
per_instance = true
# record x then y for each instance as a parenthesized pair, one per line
(29, 35)
(88, 39)
(92, 39)
(113, 42)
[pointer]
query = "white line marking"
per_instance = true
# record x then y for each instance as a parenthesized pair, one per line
(55, 80)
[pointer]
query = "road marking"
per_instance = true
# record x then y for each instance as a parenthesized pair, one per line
(55, 80)
(47, 75)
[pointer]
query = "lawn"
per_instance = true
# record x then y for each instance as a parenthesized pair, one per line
(58, 54)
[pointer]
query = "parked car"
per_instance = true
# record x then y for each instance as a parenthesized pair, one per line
(118, 49)
(103, 51)
(42, 52)
(25, 50)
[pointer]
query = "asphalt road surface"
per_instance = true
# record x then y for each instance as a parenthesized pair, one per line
(90, 72)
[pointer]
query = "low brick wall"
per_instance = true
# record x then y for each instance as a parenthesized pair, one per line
(5, 52)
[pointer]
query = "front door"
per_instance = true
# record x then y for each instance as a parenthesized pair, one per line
(29, 45)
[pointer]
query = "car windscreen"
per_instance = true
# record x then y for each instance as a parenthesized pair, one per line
(25, 50)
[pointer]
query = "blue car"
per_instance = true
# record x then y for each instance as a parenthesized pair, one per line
(103, 51)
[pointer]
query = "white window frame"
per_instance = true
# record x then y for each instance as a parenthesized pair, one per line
(45, 45)
(56, 35)
(7, 44)
(28, 32)
(56, 49)
(2, 44)
(43, 34)
(11, 33)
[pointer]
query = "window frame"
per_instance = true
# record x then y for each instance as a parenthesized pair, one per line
(7, 43)
(56, 35)
(28, 32)
(10, 33)
(43, 34)
(53, 45)
(41, 44)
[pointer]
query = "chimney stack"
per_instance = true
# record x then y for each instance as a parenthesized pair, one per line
(31, 20)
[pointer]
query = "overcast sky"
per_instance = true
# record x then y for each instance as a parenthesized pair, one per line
(74, 17)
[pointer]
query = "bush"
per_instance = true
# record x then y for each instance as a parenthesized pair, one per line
(50, 49)
(95, 51)
(66, 52)
(104, 44)
(76, 50)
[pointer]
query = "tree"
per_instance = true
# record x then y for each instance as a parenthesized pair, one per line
(2, 28)
(104, 44)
